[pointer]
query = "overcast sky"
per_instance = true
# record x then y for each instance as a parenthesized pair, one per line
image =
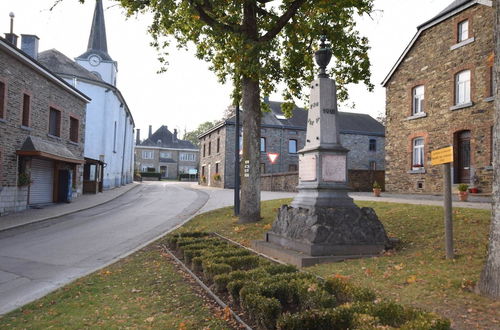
(188, 93)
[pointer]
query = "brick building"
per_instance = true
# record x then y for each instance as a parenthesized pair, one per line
(162, 152)
(440, 93)
(359, 133)
(42, 125)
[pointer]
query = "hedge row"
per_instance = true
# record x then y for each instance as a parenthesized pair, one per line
(278, 296)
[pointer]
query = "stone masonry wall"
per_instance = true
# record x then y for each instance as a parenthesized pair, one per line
(212, 156)
(359, 156)
(21, 79)
(432, 63)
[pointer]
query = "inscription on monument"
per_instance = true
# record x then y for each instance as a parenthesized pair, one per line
(307, 168)
(334, 168)
(329, 111)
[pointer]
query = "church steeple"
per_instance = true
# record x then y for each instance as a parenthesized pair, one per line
(97, 40)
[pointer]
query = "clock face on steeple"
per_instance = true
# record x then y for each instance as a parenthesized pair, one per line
(94, 60)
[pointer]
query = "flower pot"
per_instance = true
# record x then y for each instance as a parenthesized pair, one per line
(462, 196)
(473, 190)
(376, 192)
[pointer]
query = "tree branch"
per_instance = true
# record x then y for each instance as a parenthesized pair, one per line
(264, 1)
(264, 12)
(209, 20)
(294, 7)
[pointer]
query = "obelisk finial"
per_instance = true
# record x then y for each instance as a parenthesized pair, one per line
(323, 57)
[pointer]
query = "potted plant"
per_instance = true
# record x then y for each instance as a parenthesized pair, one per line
(462, 192)
(377, 188)
(203, 179)
(217, 177)
(473, 190)
(23, 180)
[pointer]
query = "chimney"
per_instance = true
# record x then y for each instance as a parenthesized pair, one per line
(138, 136)
(29, 45)
(150, 131)
(11, 37)
(175, 134)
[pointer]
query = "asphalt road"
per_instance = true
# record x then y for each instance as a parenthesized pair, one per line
(40, 258)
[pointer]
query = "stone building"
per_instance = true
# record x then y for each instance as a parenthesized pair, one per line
(360, 133)
(440, 93)
(163, 152)
(42, 130)
(109, 142)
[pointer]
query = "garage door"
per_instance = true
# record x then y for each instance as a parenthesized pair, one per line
(42, 175)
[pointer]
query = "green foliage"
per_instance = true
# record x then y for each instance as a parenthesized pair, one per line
(23, 180)
(271, 43)
(344, 291)
(150, 175)
(279, 268)
(212, 269)
(192, 136)
(376, 185)
(263, 310)
(463, 187)
(325, 319)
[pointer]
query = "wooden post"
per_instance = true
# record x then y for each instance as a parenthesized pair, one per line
(448, 217)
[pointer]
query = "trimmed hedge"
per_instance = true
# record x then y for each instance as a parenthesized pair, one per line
(279, 296)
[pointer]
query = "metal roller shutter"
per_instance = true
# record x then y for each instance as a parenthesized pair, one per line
(42, 175)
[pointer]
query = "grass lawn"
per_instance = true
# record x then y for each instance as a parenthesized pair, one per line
(145, 290)
(142, 291)
(417, 273)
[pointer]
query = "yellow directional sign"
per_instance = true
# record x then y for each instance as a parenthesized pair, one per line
(442, 156)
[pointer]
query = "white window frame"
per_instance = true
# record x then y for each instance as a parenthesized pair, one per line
(186, 156)
(148, 154)
(463, 87)
(463, 31)
(418, 97)
(263, 145)
(165, 154)
(418, 155)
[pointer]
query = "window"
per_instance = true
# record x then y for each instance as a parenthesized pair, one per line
(372, 145)
(204, 149)
(73, 129)
(165, 154)
(218, 145)
(292, 146)
(262, 144)
(262, 168)
(114, 139)
(148, 154)
(491, 145)
(217, 168)
(187, 156)
(209, 148)
(54, 122)
(463, 31)
(491, 82)
(372, 165)
(26, 110)
(292, 168)
(462, 87)
(418, 100)
(2, 99)
(418, 153)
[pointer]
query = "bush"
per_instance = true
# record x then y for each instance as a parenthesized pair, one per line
(427, 321)
(234, 287)
(221, 281)
(263, 310)
(212, 269)
(151, 175)
(344, 291)
(278, 269)
(325, 319)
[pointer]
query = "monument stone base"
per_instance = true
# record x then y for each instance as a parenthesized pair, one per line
(324, 234)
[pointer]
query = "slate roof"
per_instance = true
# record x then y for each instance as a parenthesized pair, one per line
(97, 39)
(454, 7)
(349, 122)
(163, 138)
(61, 64)
(36, 144)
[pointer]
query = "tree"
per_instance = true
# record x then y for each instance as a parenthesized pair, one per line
(192, 136)
(258, 44)
(489, 283)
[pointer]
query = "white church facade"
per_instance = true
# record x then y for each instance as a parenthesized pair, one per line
(109, 125)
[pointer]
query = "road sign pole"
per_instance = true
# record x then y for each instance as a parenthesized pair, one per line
(237, 162)
(448, 217)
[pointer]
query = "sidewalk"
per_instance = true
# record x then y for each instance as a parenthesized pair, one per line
(57, 210)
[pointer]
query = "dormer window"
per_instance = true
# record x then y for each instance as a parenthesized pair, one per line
(463, 31)
(418, 96)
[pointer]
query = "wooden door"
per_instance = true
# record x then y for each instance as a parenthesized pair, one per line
(463, 157)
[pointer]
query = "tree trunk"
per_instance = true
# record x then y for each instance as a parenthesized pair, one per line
(250, 183)
(489, 283)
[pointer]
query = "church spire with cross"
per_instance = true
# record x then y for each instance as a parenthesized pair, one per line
(96, 58)
(97, 40)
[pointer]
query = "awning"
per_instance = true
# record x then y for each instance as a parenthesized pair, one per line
(37, 147)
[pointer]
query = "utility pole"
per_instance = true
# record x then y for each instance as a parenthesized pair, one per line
(237, 163)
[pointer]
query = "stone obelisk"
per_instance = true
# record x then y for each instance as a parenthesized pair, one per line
(323, 223)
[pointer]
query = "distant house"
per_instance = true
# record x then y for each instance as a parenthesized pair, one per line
(109, 132)
(163, 152)
(42, 130)
(440, 93)
(360, 133)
